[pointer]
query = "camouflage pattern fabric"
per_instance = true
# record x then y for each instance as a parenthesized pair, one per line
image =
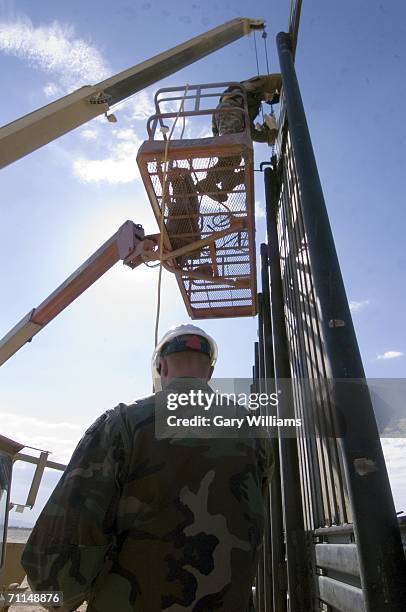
(138, 523)
(230, 122)
(226, 120)
(226, 174)
(183, 214)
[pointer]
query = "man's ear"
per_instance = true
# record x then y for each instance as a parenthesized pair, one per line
(211, 372)
(163, 362)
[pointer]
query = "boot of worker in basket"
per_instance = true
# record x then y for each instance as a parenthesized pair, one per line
(209, 186)
(232, 179)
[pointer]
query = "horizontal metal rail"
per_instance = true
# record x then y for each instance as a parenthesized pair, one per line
(153, 120)
(54, 465)
(338, 557)
(341, 596)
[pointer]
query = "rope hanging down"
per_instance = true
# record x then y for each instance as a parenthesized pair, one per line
(161, 225)
(257, 61)
(264, 36)
(256, 51)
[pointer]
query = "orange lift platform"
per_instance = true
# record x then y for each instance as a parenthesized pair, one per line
(202, 193)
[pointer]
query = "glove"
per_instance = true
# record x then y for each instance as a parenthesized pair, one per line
(266, 134)
(272, 135)
(272, 129)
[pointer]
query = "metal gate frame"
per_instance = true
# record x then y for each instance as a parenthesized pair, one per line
(338, 550)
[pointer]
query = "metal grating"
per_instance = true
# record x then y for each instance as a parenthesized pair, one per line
(203, 186)
(324, 491)
(330, 563)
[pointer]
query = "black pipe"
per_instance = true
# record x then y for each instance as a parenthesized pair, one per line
(297, 576)
(264, 566)
(277, 545)
(261, 356)
(259, 582)
(380, 552)
(266, 315)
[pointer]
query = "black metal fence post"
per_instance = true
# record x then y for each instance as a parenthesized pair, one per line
(299, 587)
(275, 509)
(259, 582)
(265, 565)
(380, 553)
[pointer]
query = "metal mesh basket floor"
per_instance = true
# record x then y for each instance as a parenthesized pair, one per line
(206, 186)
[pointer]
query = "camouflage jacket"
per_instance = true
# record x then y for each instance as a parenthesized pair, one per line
(140, 523)
(254, 89)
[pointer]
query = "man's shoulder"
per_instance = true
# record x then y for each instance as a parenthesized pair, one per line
(122, 415)
(137, 412)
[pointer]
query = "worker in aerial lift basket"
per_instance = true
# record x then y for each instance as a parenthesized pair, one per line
(150, 519)
(258, 89)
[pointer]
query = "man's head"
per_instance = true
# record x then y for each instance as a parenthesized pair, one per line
(185, 351)
(267, 86)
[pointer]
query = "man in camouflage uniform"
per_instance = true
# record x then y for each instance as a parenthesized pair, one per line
(265, 88)
(139, 522)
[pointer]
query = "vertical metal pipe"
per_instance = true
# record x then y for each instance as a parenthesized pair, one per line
(264, 564)
(297, 576)
(277, 546)
(380, 553)
(252, 390)
(296, 329)
(256, 364)
(259, 583)
(306, 350)
(261, 356)
(266, 315)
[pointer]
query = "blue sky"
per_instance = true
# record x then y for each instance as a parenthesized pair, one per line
(60, 203)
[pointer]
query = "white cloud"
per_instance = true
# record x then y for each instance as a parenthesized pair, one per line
(55, 50)
(119, 145)
(72, 61)
(58, 437)
(119, 166)
(127, 134)
(357, 306)
(89, 134)
(51, 90)
(391, 355)
(394, 450)
(140, 107)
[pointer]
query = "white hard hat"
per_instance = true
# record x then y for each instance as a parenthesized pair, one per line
(174, 332)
